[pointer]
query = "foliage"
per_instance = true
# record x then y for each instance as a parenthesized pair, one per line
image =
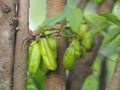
(36, 81)
(106, 24)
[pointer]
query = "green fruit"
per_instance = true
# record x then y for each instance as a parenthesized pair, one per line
(43, 67)
(76, 45)
(47, 32)
(69, 58)
(48, 55)
(34, 58)
(83, 53)
(83, 29)
(98, 1)
(71, 54)
(87, 41)
(30, 46)
(52, 41)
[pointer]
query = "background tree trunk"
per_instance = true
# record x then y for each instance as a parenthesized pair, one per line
(7, 38)
(55, 80)
(81, 3)
(20, 62)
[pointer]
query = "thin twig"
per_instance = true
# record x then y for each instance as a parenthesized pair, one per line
(62, 27)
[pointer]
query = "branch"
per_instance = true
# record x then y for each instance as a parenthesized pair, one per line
(115, 81)
(20, 59)
(83, 66)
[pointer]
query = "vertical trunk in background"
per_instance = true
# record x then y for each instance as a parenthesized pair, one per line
(7, 34)
(82, 3)
(55, 80)
(20, 62)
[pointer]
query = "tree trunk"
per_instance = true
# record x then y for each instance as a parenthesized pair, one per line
(20, 62)
(7, 37)
(82, 3)
(55, 80)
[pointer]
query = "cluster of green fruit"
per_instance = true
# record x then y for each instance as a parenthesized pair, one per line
(78, 47)
(42, 52)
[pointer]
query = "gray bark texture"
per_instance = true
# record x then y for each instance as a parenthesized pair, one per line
(21, 45)
(7, 37)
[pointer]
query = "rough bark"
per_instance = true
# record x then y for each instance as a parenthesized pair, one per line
(106, 6)
(82, 68)
(20, 61)
(7, 34)
(55, 80)
(115, 81)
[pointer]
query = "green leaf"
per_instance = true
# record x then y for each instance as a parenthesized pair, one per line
(108, 50)
(116, 9)
(67, 32)
(72, 3)
(98, 1)
(30, 83)
(111, 18)
(91, 83)
(74, 17)
(112, 34)
(99, 23)
(117, 41)
(112, 47)
(99, 29)
(52, 21)
(36, 80)
(95, 18)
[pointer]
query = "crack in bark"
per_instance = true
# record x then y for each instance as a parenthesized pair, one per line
(20, 60)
